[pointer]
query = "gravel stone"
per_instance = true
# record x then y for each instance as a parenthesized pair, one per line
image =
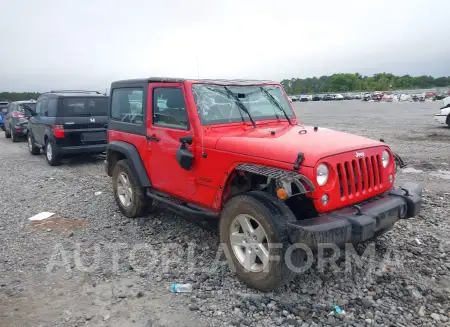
(408, 285)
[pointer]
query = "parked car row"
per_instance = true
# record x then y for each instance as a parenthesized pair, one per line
(402, 97)
(61, 123)
(372, 96)
(324, 97)
(228, 150)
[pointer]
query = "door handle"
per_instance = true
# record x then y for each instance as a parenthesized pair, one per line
(153, 138)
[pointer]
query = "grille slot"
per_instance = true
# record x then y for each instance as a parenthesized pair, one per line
(359, 176)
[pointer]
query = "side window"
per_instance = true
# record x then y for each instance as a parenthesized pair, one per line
(126, 105)
(169, 108)
(52, 107)
(38, 107)
(44, 107)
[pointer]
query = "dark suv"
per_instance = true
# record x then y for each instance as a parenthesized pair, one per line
(68, 122)
(15, 120)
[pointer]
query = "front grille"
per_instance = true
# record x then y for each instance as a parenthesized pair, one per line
(359, 176)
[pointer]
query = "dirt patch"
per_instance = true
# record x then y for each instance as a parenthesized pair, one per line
(56, 223)
(432, 137)
(425, 166)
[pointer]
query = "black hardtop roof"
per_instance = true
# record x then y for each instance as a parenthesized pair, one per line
(242, 82)
(73, 93)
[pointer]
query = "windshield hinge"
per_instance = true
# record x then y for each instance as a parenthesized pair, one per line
(299, 161)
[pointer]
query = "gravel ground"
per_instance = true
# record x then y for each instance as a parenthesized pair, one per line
(89, 265)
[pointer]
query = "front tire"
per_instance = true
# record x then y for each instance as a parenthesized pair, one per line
(128, 193)
(51, 154)
(34, 150)
(448, 120)
(7, 134)
(250, 226)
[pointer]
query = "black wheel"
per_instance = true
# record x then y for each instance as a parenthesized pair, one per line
(34, 150)
(128, 193)
(448, 120)
(51, 154)
(7, 134)
(14, 136)
(253, 227)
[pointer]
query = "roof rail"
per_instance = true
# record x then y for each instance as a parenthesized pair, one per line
(73, 91)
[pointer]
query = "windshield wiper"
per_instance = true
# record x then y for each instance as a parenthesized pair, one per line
(240, 104)
(275, 102)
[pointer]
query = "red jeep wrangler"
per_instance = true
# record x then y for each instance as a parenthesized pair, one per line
(234, 150)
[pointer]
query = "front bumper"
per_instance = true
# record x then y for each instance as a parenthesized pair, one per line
(440, 118)
(355, 225)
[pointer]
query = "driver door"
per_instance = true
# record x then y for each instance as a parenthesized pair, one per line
(167, 121)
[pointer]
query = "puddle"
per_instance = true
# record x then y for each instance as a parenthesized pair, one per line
(411, 170)
(59, 224)
(444, 174)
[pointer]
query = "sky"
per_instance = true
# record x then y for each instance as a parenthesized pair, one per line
(87, 44)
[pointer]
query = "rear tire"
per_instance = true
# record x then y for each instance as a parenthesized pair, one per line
(51, 154)
(448, 120)
(14, 137)
(34, 150)
(128, 193)
(7, 135)
(266, 211)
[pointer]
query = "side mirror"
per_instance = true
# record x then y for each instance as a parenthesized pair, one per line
(184, 156)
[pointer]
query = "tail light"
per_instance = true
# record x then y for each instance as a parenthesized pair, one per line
(58, 131)
(18, 114)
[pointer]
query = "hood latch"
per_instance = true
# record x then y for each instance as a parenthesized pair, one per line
(299, 160)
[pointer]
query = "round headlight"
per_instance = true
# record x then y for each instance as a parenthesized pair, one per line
(385, 158)
(322, 174)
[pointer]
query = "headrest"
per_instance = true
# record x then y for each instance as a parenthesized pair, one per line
(175, 101)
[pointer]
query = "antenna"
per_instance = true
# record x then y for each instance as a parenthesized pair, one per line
(198, 74)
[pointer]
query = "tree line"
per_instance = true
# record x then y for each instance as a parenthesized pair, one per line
(18, 96)
(346, 82)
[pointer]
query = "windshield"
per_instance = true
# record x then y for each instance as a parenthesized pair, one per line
(215, 105)
(88, 106)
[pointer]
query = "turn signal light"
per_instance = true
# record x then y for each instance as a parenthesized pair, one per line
(282, 193)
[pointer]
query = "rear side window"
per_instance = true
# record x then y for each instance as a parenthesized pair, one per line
(126, 105)
(30, 105)
(84, 106)
(52, 107)
(44, 108)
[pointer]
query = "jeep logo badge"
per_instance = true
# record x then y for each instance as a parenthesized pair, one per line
(93, 121)
(359, 154)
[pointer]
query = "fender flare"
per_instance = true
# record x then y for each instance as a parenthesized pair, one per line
(134, 160)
